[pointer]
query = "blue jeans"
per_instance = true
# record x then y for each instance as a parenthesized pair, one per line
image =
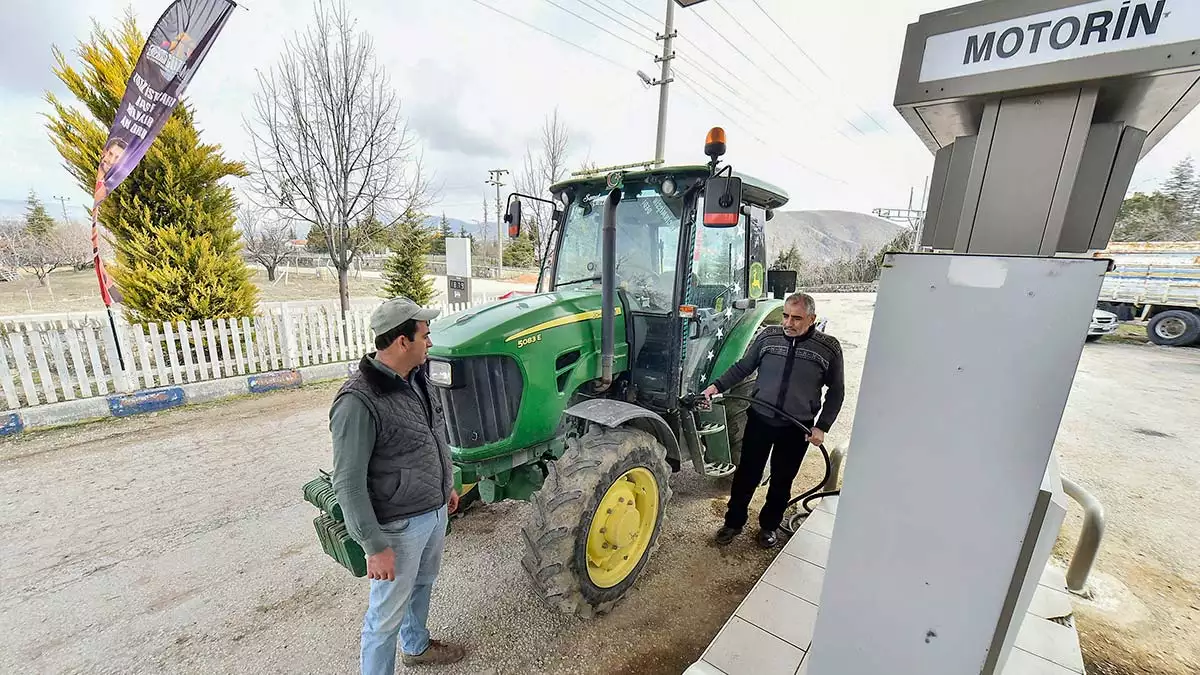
(400, 608)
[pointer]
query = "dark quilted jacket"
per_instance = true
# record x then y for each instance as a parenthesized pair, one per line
(410, 471)
(791, 374)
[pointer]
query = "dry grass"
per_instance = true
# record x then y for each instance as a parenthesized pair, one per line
(71, 291)
(1128, 333)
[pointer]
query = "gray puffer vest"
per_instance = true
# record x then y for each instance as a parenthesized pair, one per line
(410, 471)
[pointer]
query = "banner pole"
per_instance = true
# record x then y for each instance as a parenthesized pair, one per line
(112, 324)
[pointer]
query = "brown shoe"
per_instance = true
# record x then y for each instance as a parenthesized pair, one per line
(438, 653)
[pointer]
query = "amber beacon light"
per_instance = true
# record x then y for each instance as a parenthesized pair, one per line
(714, 143)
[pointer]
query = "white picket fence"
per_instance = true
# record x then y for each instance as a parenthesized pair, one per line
(62, 360)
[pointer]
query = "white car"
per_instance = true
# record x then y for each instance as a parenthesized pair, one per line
(1103, 323)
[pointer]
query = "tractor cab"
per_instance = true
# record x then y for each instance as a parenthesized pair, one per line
(683, 285)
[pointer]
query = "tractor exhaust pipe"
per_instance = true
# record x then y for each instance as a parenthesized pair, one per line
(608, 287)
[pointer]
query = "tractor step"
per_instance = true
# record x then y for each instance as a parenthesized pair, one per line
(714, 470)
(710, 429)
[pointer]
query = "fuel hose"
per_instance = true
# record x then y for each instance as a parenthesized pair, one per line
(789, 525)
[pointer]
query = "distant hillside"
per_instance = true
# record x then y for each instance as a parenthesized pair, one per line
(823, 236)
(14, 209)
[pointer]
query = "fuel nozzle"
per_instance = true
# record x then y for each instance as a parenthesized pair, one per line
(692, 401)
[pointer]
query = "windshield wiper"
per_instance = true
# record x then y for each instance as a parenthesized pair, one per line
(575, 281)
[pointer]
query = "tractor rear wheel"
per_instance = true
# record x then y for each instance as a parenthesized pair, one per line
(596, 519)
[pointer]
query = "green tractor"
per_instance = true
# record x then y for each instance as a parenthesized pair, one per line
(571, 397)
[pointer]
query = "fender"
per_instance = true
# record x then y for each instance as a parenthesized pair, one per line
(765, 312)
(612, 413)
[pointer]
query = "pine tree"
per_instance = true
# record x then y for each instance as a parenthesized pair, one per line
(171, 221)
(404, 270)
(316, 242)
(1182, 188)
(37, 222)
(519, 252)
(788, 260)
(438, 245)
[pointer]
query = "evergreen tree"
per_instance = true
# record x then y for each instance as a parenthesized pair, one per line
(315, 242)
(787, 260)
(404, 271)
(171, 221)
(519, 252)
(1183, 190)
(438, 245)
(37, 222)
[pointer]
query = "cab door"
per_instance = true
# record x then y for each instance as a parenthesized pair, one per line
(720, 275)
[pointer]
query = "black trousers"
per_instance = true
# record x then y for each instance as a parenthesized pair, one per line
(789, 446)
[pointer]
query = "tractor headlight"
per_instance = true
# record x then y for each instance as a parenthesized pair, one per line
(439, 373)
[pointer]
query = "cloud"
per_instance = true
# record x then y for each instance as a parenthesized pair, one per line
(434, 97)
(441, 129)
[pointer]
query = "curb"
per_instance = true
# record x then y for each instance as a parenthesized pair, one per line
(144, 401)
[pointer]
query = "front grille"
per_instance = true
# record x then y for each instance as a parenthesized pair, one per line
(482, 406)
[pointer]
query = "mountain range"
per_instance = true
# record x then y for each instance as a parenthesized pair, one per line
(825, 236)
(820, 236)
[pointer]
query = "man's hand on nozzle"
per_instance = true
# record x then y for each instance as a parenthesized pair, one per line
(816, 436)
(709, 393)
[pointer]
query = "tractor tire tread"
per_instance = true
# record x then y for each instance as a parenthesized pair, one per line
(563, 511)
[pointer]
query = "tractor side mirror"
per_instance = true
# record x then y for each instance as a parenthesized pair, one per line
(722, 201)
(513, 217)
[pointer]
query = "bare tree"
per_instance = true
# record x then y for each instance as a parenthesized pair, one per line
(330, 147)
(538, 172)
(43, 251)
(266, 237)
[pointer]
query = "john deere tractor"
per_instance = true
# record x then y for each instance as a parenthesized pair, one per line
(571, 397)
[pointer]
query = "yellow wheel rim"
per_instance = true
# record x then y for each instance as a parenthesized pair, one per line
(622, 527)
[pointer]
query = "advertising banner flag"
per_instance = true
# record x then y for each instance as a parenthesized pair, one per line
(176, 46)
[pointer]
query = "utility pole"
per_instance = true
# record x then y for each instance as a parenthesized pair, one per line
(664, 79)
(63, 201)
(496, 178)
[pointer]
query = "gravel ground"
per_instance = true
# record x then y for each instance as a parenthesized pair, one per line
(178, 542)
(1131, 436)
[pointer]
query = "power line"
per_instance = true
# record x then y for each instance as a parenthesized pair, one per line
(692, 85)
(685, 80)
(763, 71)
(713, 95)
(810, 60)
(596, 26)
(783, 65)
(652, 17)
(548, 33)
(684, 58)
(653, 31)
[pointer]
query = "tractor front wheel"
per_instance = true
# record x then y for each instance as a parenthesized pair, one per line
(596, 519)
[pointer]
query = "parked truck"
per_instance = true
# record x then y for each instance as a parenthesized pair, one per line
(1159, 282)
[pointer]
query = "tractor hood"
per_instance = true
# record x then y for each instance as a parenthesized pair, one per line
(518, 363)
(558, 319)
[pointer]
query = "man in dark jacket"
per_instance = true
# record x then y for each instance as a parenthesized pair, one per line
(794, 362)
(394, 481)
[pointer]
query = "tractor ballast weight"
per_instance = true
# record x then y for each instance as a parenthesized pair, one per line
(570, 397)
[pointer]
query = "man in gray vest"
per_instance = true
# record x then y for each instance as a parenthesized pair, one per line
(394, 481)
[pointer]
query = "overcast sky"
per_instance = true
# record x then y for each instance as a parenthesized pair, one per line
(476, 86)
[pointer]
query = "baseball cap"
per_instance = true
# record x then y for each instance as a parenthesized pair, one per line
(396, 311)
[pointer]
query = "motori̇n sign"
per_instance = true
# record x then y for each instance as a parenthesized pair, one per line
(1071, 33)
